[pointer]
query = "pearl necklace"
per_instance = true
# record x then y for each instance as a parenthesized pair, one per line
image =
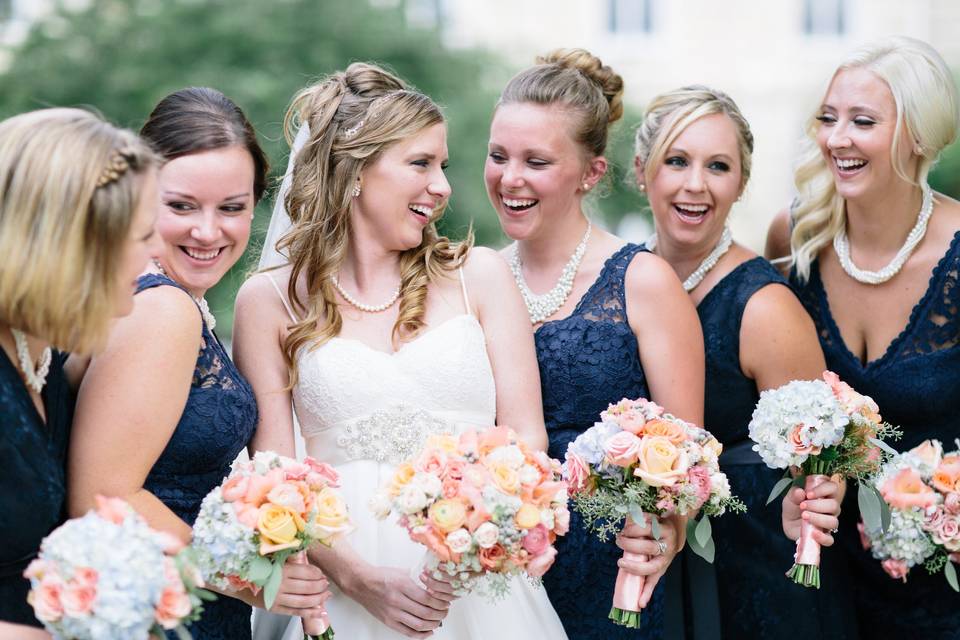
(202, 304)
(695, 278)
(35, 377)
(366, 308)
(542, 306)
(842, 246)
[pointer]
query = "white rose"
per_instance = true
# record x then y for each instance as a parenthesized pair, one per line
(720, 485)
(428, 483)
(459, 541)
(487, 535)
(546, 517)
(379, 504)
(529, 474)
(510, 455)
(412, 499)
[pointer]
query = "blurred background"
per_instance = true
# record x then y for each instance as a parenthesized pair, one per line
(774, 58)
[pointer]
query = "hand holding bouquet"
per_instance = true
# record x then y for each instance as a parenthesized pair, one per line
(485, 506)
(823, 427)
(266, 510)
(109, 575)
(639, 460)
(922, 488)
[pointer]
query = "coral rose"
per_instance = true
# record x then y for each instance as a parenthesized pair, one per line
(946, 478)
(578, 472)
(492, 557)
(907, 489)
(174, 606)
(799, 446)
(672, 431)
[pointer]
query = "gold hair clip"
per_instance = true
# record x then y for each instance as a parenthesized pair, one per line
(116, 167)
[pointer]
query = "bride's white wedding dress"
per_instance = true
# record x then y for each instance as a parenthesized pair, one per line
(364, 411)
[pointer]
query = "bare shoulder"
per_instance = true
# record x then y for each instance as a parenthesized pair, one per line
(165, 310)
(485, 267)
(261, 293)
(650, 275)
(778, 236)
(774, 311)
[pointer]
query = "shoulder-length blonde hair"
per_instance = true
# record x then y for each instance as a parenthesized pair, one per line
(927, 106)
(69, 187)
(353, 116)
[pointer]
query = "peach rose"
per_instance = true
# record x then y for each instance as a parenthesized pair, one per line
(259, 486)
(660, 463)
(288, 495)
(443, 442)
(578, 473)
(431, 461)
(278, 527)
(174, 605)
(402, 476)
(235, 488)
(527, 516)
(114, 510)
(547, 492)
(247, 514)
(468, 443)
(453, 470)
(946, 478)
(331, 519)
(507, 479)
(78, 598)
(672, 431)
(433, 540)
(796, 439)
(321, 474)
(492, 557)
(493, 438)
(450, 488)
(850, 400)
(622, 449)
(447, 515)
(907, 489)
(929, 453)
(539, 565)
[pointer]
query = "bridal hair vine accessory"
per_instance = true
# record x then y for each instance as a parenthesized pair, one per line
(35, 375)
(352, 131)
(542, 306)
(842, 247)
(117, 165)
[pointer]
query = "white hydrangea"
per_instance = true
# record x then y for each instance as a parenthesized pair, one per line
(429, 483)
(808, 403)
(222, 544)
(904, 540)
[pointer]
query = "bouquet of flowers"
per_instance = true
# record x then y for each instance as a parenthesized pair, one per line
(922, 488)
(823, 427)
(639, 460)
(109, 575)
(485, 506)
(266, 510)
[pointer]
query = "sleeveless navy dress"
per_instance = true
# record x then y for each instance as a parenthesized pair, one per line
(32, 474)
(916, 382)
(588, 361)
(217, 423)
(754, 598)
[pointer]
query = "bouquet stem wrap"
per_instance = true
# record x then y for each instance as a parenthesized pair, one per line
(806, 567)
(626, 594)
(314, 628)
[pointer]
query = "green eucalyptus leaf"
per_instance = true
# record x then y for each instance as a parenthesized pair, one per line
(951, 573)
(655, 527)
(273, 585)
(260, 570)
(883, 446)
(869, 503)
(637, 515)
(779, 488)
(703, 532)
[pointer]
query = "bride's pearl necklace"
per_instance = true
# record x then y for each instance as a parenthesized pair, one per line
(205, 313)
(366, 308)
(34, 375)
(695, 278)
(842, 246)
(542, 306)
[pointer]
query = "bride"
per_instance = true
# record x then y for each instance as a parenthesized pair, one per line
(381, 332)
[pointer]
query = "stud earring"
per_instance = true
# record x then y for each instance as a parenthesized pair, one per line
(586, 186)
(642, 187)
(356, 189)
(917, 149)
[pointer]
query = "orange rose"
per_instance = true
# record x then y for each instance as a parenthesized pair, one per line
(492, 558)
(907, 489)
(672, 431)
(947, 476)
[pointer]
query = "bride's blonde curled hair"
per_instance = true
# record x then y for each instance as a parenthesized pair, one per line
(927, 106)
(353, 117)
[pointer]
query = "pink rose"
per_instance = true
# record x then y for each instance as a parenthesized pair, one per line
(850, 400)
(173, 607)
(248, 514)
(622, 449)
(327, 473)
(296, 471)
(537, 540)
(934, 518)
(951, 502)
(864, 539)
(699, 477)
(561, 520)
(431, 461)
(453, 470)
(896, 569)
(450, 488)
(907, 489)
(114, 510)
(77, 598)
(799, 446)
(541, 563)
(578, 473)
(46, 599)
(289, 496)
(235, 488)
(468, 443)
(259, 486)
(949, 530)
(86, 576)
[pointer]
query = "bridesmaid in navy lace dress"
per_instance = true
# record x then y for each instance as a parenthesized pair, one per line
(693, 159)
(57, 183)
(617, 324)
(163, 407)
(887, 319)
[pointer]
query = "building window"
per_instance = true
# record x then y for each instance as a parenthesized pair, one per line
(823, 17)
(631, 16)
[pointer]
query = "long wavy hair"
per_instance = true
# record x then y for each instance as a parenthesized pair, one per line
(927, 106)
(353, 117)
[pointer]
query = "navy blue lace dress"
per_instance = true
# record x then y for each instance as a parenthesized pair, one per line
(588, 361)
(32, 488)
(916, 382)
(217, 423)
(754, 598)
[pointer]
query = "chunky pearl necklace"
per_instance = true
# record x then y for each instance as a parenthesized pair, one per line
(35, 375)
(695, 278)
(842, 246)
(366, 308)
(542, 306)
(202, 304)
